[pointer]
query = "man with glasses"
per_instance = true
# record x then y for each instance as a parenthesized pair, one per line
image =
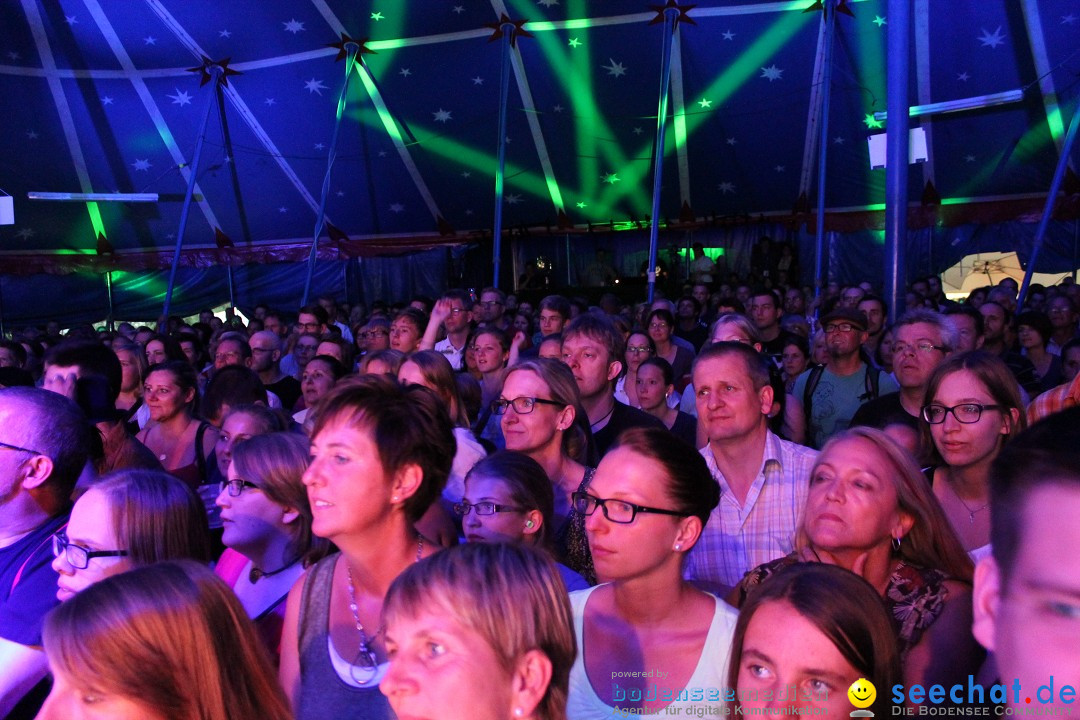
(825, 399)
(763, 479)
(922, 339)
(453, 312)
(44, 446)
(491, 308)
(266, 361)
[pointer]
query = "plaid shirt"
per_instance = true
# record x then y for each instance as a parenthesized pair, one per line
(737, 537)
(1053, 400)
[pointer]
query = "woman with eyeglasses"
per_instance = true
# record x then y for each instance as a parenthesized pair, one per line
(661, 327)
(167, 641)
(180, 440)
(373, 336)
(972, 409)
(869, 510)
(128, 519)
(380, 454)
(639, 348)
(508, 498)
(541, 416)
(267, 521)
(647, 638)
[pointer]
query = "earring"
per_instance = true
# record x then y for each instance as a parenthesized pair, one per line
(394, 499)
(896, 544)
(518, 712)
(529, 523)
(678, 546)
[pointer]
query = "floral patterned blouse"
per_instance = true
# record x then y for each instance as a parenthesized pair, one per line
(914, 597)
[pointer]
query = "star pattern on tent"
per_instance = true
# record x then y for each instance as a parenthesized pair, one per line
(772, 72)
(963, 77)
(780, 168)
(617, 69)
(315, 86)
(838, 140)
(638, 131)
(705, 103)
(879, 21)
(991, 40)
(14, 55)
(458, 9)
(340, 193)
(181, 98)
(71, 20)
(225, 34)
(611, 178)
(547, 3)
(513, 199)
(468, 212)
(731, 141)
(149, 40)
(283, 209)
(382, 153)
(1068, 19)
(728, 35)
(557, 108)
(871, 121)
(397, 207)
(517, 29)
(573, 42)
(466, 174)
(582, 205)
(969, 158)
(478, 80)
(377, 16)
(25, 234)
(320, 146)
(726, 187)
(294, 26)
(32, 134)
(270, 102)
(442, 115)
(404, 72)
(106, 100)
(142, 165)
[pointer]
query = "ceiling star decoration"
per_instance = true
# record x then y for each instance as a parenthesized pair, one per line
(611, 178)
(991, 40)
(377, 16)
(582, 205)
(499, 29)
(343, 52)
(206, 70)
(617, 69)
(871, 121)
(772, 72)
(573, 42)
(879, 21)
(661, 11)
(705, 103)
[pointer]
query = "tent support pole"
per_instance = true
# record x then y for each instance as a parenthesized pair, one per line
(671, 16)
(1051, 198)
(507, 30)
(829, 18)
(193, 175)
(896, 153)
(109, 296)
(351, 50)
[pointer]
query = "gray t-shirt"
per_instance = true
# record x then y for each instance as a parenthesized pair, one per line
(836, 400)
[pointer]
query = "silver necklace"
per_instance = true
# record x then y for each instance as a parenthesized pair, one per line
(365, 655)
(970, 512)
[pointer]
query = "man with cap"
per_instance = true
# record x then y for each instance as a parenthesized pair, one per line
(824, 399)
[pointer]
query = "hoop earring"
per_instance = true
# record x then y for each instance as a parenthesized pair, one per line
(529, 523)
(896, 544)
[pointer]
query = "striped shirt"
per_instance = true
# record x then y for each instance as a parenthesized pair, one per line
(738, 537)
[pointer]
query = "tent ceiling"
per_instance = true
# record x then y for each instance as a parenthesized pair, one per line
(98, 98)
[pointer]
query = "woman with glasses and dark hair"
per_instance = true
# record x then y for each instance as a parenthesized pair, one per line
(639, 348)
(128, 519)
(647, 638)
(542, 417)
(972, 409)
(165, 641)
(508, 498)
(267, 521)
(661, 327)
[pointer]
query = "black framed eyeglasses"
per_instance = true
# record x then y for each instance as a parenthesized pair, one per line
(484, 508)
(235, 487)
(966, 413)
(617, 511)
(522, 405)
(77, 556)
(9, 446)
(924, 347)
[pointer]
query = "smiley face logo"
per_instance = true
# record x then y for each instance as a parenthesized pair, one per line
(862, 693)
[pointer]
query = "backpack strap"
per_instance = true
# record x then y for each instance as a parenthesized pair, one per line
(808, 393)
(871, 380)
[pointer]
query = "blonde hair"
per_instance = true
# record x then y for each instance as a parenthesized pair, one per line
(276, 463)
(511, 596)
(564, 390)
(120, 636)
(931, 542)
